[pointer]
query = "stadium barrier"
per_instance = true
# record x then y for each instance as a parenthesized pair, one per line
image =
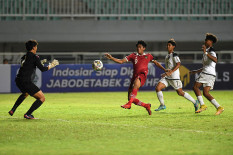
(113, 77)
(89, 57)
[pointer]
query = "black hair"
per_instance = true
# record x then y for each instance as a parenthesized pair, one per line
(5, 61)
(142, 43)
(30, 44)
(211, 37)
(172, 41)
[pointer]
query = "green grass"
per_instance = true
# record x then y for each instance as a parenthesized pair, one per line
(94, 123)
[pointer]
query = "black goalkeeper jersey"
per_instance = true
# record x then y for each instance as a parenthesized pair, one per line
(29, 62)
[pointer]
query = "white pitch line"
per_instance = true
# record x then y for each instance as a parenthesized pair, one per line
(126, 125)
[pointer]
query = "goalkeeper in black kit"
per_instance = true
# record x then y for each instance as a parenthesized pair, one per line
(23, 79)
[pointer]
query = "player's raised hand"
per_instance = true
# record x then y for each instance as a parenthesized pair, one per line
(43, 61)
(53, 63)
(204, 48)
(107, 55)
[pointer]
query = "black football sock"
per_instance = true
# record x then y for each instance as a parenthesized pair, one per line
(34, 106)
(18, 102)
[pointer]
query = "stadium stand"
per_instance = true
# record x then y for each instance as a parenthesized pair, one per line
(113, 23)
(116, 9)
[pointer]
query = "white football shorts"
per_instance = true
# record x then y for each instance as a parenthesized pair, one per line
(206, 80)
(176, 84)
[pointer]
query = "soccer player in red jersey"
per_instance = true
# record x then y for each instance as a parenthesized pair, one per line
(140, 62)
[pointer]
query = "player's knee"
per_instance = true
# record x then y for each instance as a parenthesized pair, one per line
(137, 84)
(42, 99)
(157, 89)
(195, 88)
(180, 93)
(26, 95)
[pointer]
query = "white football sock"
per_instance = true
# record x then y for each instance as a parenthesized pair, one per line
(160, 97)
(188, 97)
(200, 99)
(215, 103)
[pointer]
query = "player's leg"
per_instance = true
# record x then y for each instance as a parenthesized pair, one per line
(159, 87)
(186, 95)
(34, 91)
(132, 93)
(136, 101)
(207, 94)
(40, 98)
(197, 91)
(136, 86)
(22, 87)
(145, 105)
(129, 92)
(212, 100)
(18, 102)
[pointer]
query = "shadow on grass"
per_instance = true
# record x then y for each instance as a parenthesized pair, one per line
(17, 119)
(163, 114)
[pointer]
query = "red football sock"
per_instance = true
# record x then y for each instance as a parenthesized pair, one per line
(138, 102)
(132, 96)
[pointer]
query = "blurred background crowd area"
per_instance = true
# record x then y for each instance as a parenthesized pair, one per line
(80, 31)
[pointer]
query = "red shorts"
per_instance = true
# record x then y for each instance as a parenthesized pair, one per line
(142, 78)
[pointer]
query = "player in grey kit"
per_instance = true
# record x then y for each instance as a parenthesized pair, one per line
(208, 74)
(23, 80)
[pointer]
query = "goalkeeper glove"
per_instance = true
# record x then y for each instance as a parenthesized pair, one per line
(53, 63)
(43, 61)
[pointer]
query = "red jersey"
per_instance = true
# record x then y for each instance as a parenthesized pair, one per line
(140, 63)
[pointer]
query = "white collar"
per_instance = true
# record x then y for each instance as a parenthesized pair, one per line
(140, 55)
(171, 53)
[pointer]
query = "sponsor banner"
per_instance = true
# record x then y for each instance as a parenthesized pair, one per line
(5, 82)
(82, 78)
(114, 77)
(224, 76)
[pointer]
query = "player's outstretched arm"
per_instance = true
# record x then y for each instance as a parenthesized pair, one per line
(43, 61)
(195, 71)
(159, 65)
(110, 57)
(174, 69)
(53, 64)
(40, 64)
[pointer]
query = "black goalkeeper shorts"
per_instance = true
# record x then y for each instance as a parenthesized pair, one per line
(27, 87)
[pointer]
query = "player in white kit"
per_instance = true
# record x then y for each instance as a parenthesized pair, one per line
(207, 75)
(172, 77)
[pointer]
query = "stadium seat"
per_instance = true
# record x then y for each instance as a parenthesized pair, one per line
(13, 8)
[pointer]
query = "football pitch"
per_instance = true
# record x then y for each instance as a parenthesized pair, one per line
(94, 123)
